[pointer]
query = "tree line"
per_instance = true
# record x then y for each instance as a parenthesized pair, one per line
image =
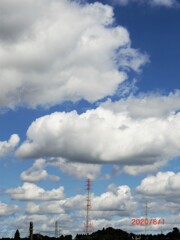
(105, 234)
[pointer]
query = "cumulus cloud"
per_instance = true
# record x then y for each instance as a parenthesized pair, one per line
(76, 202)
(45, 208)
(37, 173)
(167, 186)
(30, 191)
(8, 146)
(104, 136)
(49, 52)
(117, 201)
(16, 18)
(79, 170)
(7, 210)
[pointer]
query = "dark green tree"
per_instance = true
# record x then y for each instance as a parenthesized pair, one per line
(68, 237)
(17, 235)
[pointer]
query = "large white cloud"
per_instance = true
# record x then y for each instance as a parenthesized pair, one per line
(30, 191)
(7, 147)
(165, 185)
(104, 136)
(52, 54)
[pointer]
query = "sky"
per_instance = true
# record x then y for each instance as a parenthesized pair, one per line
(89, 89)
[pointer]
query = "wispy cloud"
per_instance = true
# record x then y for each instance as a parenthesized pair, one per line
(37, 172)
(155, 3)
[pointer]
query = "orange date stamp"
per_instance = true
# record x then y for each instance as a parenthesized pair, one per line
(147, 221)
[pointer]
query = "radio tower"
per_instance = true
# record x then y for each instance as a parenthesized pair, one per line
(88, 225)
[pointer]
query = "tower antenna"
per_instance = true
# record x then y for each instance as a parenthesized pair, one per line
(88, 224)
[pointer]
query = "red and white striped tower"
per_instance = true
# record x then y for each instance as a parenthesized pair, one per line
(88, 224)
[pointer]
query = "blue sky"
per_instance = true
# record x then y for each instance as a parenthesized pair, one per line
(89, 89)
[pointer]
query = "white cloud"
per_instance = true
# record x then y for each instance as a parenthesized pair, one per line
(122, 2)
(16, 18)
(146, 105)
(104, 136)
(22, 223)
(150, 168)
(54, 178)
(33, 176)
(45, 208)
(132, 58)
(49, 53)
(30, 191)
(37, 173)
(161, 207)
(79, 170)
(163, 3)
(164, 185)
(43, 224)
(7, 210)
(74, 203)
(7, 147)
(117, 201)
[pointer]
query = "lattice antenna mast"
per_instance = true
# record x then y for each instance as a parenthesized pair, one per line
(88, 225)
